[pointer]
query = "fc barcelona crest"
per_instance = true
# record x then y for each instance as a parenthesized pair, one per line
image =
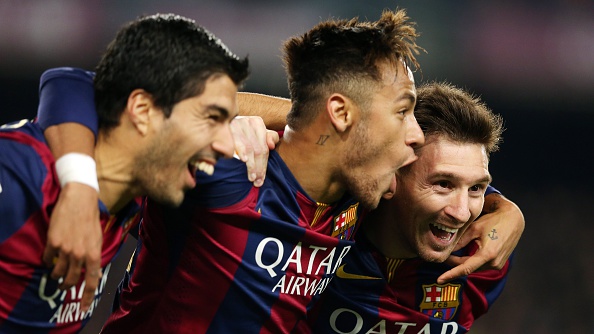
(440, 300)
(344, 223)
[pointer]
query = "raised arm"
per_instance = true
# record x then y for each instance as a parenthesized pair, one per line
(74, 235)
(497, 232)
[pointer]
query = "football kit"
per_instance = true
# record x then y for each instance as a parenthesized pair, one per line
(375, 294)
(234, 258)
(30, 301)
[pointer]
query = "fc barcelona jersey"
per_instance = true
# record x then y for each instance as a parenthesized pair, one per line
(373, 294)
(30, 301)
(234, 258)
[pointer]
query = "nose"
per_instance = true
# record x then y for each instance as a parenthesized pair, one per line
(458, 206)
(223, 141)
(414, 134)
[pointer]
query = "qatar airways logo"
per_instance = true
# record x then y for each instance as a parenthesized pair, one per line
(347, 321)
(302, 272)
(67, 302)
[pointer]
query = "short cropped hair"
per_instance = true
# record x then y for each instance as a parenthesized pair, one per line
(169, 56)
(344, 56)
(445, 110)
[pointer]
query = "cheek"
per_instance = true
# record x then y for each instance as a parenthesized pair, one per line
(430, 206)
(475, 207)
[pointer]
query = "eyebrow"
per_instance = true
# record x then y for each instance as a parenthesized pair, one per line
(224, 112)
(408, 96)
(486, 179)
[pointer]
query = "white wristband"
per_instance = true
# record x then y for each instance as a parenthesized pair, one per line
(77, 167)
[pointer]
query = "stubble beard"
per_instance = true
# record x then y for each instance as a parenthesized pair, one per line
(152, 172)
(361, 185)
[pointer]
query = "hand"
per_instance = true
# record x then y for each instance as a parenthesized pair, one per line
(252, 145)
(74, 240)
(496, 232)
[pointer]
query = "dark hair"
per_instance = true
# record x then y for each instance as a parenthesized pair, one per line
(167, 55)
(343, 56)
(443, 109)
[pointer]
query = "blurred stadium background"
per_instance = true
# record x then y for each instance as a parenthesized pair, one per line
(531, 61)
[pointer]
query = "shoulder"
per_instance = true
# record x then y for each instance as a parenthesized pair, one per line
(66, 73)
(229, 184)
(23, 141)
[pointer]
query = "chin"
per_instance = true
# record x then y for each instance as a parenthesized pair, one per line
(169, 199)
(436, 257)
(370, 204)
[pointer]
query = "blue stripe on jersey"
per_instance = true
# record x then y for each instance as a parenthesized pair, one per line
(249, 295)
(21, 177)
(491, 189)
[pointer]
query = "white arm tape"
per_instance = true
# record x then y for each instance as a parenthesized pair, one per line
(77, 167)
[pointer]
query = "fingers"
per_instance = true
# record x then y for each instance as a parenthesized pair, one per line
(74, 241)
(50, 255)
(272, 138)
(252, 144)
(92, 278)
(60, 266)
(239, 140)
(69, 267)
(471, 233)
(464, 266)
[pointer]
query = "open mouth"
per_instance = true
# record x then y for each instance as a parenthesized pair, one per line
(442, 232)
(392, 189)
(410, 160)
(203, 166)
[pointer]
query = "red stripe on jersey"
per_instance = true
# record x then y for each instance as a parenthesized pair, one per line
(24, 249)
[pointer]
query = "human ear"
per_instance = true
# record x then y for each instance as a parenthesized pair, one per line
(340, 111)
(138, 110)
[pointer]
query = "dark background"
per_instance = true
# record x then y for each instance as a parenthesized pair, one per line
(530, 61)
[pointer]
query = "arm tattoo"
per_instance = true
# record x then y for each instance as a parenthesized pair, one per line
(492, 235)
(322, 140)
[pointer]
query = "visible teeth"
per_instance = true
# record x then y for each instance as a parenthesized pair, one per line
(444, 228)
(207, 168)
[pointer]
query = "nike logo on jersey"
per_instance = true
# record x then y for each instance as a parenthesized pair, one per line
(0, 188)
(340, 273)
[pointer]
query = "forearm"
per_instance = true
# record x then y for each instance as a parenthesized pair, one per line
(273, 110)
(497, 202)
(70, 137)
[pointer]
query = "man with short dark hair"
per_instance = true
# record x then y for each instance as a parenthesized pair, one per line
(164, 81)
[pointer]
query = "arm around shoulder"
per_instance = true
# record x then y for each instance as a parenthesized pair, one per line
(273, 110)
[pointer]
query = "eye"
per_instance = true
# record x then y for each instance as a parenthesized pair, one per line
(477, 189)
(443, 184)
(215, 116)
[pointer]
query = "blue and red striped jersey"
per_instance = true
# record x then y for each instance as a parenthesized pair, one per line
(234, 258)
(374, 294)
(30, 301)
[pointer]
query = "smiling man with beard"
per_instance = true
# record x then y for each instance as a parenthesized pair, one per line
(163, 81)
